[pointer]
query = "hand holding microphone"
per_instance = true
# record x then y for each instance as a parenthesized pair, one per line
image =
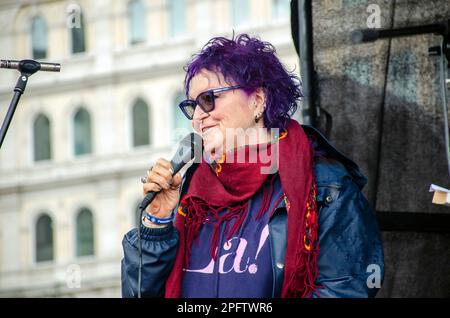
(160, 179)
(161, 186)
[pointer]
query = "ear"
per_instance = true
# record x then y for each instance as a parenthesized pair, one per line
(258, 101)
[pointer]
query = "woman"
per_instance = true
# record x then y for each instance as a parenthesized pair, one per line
(296, 225)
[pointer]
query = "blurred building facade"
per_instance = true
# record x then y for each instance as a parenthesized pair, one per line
(80, 139)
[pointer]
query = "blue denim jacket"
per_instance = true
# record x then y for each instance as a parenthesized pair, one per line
(350, 262)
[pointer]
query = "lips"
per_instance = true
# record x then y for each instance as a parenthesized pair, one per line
(204, 129)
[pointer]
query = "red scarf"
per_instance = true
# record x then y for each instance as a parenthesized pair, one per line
(229, 186)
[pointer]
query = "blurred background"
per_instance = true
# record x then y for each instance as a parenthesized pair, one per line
(80, 139)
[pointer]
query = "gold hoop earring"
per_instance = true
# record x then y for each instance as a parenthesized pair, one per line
(258, 117)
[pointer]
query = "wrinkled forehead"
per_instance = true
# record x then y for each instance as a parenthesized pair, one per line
(205, 80)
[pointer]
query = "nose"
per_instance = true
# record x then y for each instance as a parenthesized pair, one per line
(199, 114)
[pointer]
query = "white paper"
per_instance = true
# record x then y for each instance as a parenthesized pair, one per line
(434, 188)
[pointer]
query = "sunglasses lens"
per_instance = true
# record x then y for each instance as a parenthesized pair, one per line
(188, 108)
(206, 101)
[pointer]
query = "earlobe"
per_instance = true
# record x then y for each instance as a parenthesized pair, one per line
(259, 104)
(259, 114)
(255, 108)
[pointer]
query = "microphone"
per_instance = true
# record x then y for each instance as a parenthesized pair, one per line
(370, 35)
(190, 147)
(30, 66)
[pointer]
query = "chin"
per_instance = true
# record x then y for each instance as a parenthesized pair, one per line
(213, 140)
(213, 150)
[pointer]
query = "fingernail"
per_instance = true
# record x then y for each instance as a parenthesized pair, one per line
(171, 171)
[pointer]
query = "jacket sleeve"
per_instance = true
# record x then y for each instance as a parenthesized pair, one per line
(351, 260)
(159, 247)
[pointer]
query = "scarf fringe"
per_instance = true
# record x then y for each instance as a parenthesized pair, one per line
(266, 198)
(301, 261)
(199, 212)
(301, 282)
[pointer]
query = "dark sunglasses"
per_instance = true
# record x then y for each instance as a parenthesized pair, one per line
(205, 100)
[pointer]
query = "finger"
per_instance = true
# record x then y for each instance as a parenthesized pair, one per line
(151, 187)
(164, 163)
(177, 180)
(145, 179)
(163, 172)
(160, 180)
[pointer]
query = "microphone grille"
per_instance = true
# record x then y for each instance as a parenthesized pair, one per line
(193, 140)
(190, 147)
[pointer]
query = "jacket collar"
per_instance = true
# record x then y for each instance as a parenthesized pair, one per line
(324, 145)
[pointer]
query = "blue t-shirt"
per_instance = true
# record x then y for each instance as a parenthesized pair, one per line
(243, 267)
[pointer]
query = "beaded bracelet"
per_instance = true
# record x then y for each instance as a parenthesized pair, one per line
(156, 220)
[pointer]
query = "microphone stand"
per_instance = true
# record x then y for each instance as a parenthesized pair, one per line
(26, 68)
(442, 29)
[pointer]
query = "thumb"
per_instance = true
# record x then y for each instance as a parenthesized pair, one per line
(177, 180)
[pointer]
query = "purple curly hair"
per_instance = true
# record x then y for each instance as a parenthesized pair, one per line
(251, 63)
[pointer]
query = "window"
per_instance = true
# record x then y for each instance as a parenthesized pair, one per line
(41, 138)
(177, 17)
(281, 8)
(39, 38)
(85, 233)
(136, 21)
(239, 12)
(180, 122)
(141, 129)
(77, 31)
(44, 239)
(82, 132)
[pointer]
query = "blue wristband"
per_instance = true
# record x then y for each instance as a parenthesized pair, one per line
(156, 220)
